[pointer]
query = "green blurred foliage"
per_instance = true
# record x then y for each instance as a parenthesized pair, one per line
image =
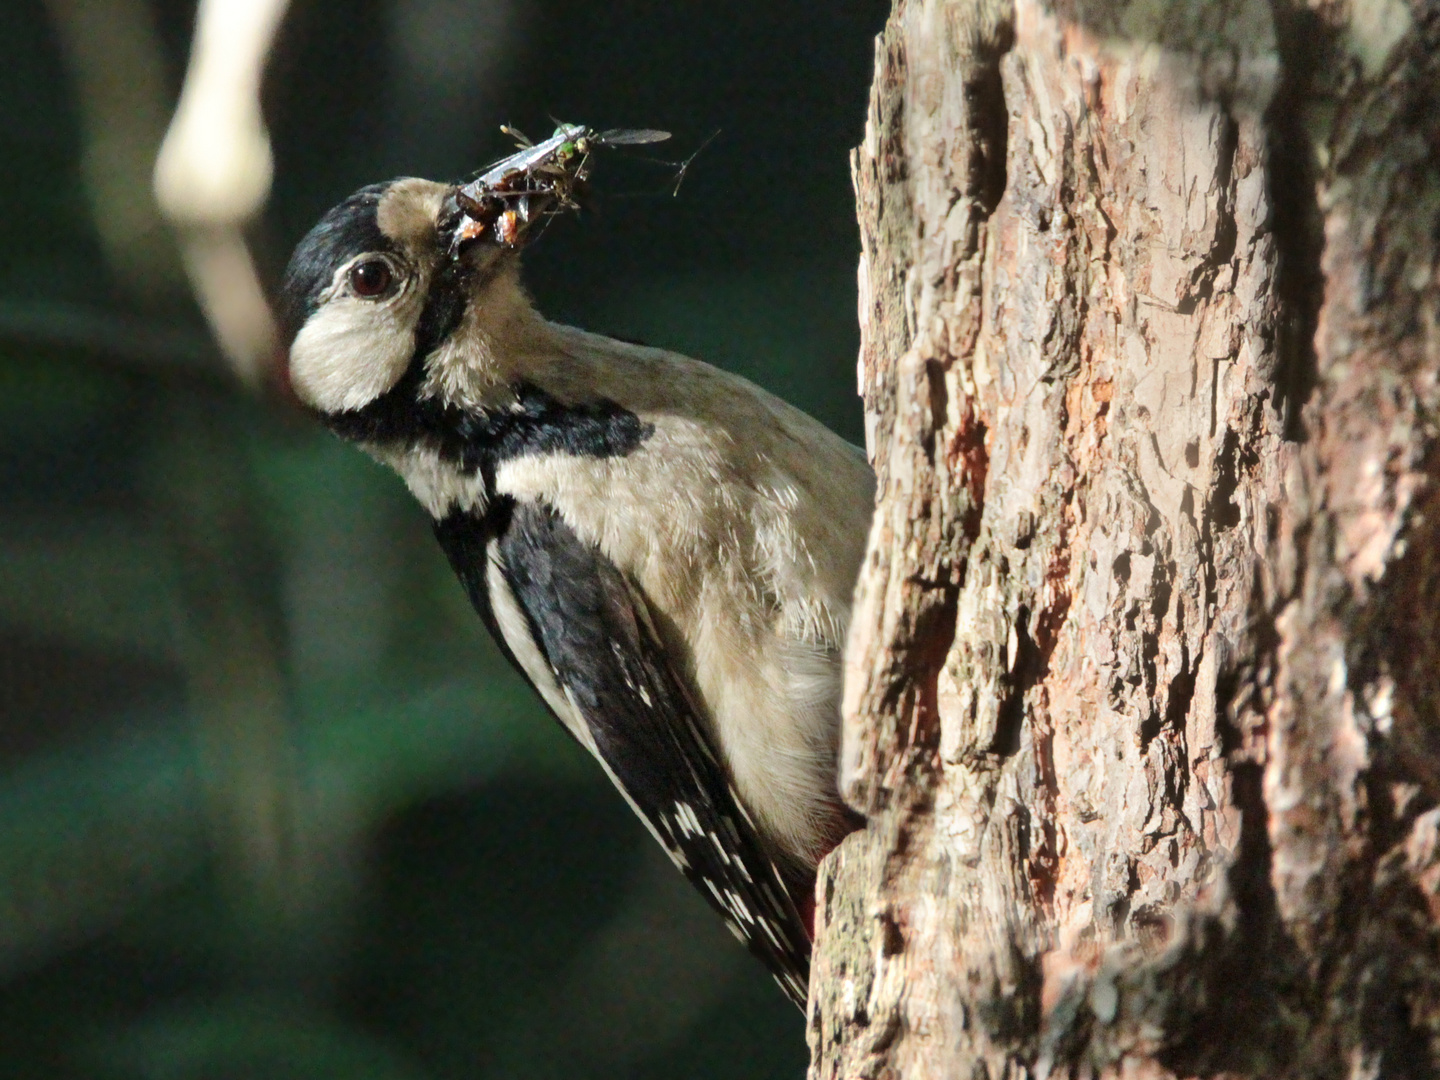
(273, 804)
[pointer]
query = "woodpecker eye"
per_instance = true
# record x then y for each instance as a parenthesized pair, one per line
(371, 279)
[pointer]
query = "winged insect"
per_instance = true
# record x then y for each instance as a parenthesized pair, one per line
(538, 181)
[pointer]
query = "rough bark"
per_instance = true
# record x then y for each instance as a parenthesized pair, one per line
(1142, 688)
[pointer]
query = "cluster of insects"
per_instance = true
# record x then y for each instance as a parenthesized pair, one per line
(538, 181)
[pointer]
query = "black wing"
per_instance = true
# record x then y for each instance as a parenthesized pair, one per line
(594, 629)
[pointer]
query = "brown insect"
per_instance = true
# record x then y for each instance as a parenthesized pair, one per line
(536, 182)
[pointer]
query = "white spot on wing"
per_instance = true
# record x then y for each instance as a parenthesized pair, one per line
(637, 688)
(686, 819)
(737, 905)
(724, 855)
(791, 985)
(769, 928)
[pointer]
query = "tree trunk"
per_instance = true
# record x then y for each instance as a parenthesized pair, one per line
(1142, 687)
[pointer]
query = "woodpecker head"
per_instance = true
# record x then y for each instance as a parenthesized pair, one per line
(377, 287)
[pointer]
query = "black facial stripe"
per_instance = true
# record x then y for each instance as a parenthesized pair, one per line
(537, 423)
(346, 230)
(444, 308)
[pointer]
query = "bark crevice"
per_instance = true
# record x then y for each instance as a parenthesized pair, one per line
(1298, 225)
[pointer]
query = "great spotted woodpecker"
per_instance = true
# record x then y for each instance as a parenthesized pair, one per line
(666, 551)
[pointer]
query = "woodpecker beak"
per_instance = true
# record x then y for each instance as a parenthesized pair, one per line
(481, 216)
(458, 231)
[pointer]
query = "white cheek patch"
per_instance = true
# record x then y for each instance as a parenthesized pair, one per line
(349, 353)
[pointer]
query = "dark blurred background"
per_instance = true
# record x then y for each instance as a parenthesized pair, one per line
(271, 805)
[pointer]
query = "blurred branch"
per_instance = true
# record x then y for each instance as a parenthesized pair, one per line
(215, 166)
(229, 293)
(213, 175)
(232, 644)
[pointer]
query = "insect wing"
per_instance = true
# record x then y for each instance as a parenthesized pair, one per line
(630, 136)
(537, 181)
(527, 159)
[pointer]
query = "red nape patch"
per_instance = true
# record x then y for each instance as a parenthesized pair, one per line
(806, 908)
